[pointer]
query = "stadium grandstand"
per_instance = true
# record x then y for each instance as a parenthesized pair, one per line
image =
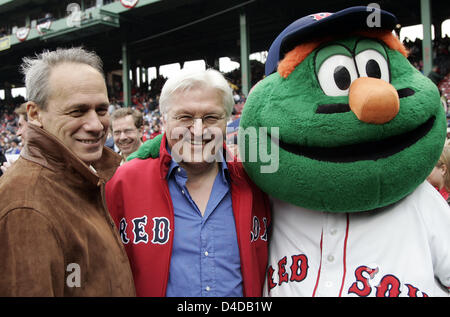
(137, 39)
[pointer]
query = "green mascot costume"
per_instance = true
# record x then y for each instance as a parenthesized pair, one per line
(357, 129)
(342, 134)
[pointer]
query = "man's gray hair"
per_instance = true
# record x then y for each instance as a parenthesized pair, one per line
(186, 80)
(37, 70)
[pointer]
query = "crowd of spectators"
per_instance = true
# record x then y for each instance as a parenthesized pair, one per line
(9, 141)
(440, 73)
(441, 58)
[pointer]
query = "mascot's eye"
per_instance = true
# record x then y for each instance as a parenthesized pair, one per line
(371, 63)
(336, 74)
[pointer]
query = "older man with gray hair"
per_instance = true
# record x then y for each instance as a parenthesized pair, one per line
(57, 236)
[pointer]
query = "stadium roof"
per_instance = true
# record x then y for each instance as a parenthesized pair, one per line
(160, 32)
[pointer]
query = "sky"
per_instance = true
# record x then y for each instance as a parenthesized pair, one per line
(226, 65)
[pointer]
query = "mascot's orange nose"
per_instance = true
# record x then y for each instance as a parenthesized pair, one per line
(373, 100)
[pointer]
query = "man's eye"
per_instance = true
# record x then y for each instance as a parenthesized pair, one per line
(102, 112)
(211, 119)
(76, 113)
(184, 118)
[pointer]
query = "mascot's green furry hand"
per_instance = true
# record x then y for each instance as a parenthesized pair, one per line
(150, 148)
(357, 126)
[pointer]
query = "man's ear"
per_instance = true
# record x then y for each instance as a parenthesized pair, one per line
(34, 113)
(444, 169)
(163, 123)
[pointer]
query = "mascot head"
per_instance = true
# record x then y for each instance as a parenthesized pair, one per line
(355, 126)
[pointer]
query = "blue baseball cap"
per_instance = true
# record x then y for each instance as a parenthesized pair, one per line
(317, 25)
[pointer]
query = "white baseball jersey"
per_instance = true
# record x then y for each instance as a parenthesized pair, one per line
(400, 250)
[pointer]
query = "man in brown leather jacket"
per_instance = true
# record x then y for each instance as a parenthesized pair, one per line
(57, 238)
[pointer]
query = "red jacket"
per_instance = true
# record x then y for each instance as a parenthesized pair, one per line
(139, 201)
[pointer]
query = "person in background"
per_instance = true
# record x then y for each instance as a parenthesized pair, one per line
(440, 175)
(443, 101)
(3, 161)
(127, 126)
(57, 236)
(146, 132)
(156, 130)
(14, 149)
(21, 111)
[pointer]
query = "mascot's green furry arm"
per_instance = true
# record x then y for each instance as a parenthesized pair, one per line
(357, 130)
(148, 149)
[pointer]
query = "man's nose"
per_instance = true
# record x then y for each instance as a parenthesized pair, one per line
(197, 126)
(123, 135)
(93, 122)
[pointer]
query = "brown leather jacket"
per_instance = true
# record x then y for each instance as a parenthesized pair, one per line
(56, 235)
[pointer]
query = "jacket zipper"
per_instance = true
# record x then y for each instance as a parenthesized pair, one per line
(172, 220)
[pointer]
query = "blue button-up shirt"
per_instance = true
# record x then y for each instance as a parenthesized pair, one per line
(205, 256)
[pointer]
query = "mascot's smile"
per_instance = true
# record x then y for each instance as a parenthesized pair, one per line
(363, 151)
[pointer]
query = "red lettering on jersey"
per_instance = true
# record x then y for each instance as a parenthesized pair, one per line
(389, 287)
(270, 283)
(282, 275)
(299, 272)
(412, 291)
(366, 288)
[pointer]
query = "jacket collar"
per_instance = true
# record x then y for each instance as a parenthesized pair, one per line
(48, 151)
(165, 158)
